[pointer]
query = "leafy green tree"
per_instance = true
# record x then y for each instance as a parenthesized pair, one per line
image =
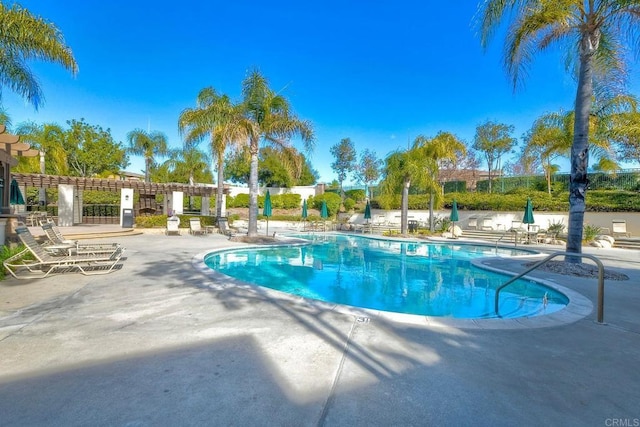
(493, 140)
(275, 168)
(626, 134)
(149, 145)
(91, 151)
(445, 146)
(345, 160)
(595, 35)
(404, 169)
(269, 119)
(368, 171)
(24, 37)
(547, 139)
(49, 140)
(237, 166)
(189, 164)
(217, 117)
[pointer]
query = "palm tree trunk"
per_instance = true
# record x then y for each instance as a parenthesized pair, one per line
(253, 191)
(147, 166)
(580, 157)
(404, 211)
(220, 188)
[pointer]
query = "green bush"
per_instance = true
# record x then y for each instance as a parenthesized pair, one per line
(357, 195)
(7, 252)
(333, 202)
(349, 204)
(240, 201)
(155, 221)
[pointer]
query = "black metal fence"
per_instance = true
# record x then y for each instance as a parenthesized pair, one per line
(101, 214)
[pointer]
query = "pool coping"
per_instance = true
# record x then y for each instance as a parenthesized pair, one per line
(577, 308)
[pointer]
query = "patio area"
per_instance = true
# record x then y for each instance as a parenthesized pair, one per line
(158, 342)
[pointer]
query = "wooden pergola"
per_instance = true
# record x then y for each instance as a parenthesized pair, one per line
(104, 184)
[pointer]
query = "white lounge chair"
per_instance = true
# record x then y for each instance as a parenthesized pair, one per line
(619, 228)
(45, 263)
(195, 227)
(173, 226)
(223, 227)
(71, 247)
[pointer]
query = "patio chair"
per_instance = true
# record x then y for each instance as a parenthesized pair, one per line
(223, 227)
(69, 247)
(473, 223)
(44, 263)
(173, 226)
(195, 227)
(619, 228)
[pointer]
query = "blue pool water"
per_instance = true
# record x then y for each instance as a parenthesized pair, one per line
(416, 278)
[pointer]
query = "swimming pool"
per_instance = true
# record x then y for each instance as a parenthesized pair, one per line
(431, 279)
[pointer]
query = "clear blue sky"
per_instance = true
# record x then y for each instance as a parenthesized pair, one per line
(380, 73)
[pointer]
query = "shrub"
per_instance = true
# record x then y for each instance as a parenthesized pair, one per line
(589, 232)
(240, 201)
(332, 199)
(7, 252)
(349, 204)
(357, 195)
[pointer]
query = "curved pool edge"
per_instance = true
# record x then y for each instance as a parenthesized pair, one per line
(578, 307)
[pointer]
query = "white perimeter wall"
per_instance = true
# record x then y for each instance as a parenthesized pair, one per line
(304, 191)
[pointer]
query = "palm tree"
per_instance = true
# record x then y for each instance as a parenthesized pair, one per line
(217, 117)
(24, 36)
(269, 119)
(190, 162)
(48, 138)
(149, 145)
(594, 34)
(404, 169)
(443, 147)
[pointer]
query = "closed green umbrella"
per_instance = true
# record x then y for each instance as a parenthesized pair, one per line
(266, 211)
(454, 217)
(15, 197)
(305, 214)
(367, 211)
(528, 213)
(528, 217)
(323, 212)
(454, 211)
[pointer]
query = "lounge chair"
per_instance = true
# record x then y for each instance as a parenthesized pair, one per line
(173, 226)
(223, 227)
(45, 263)
(619, 228)
(70, 247)
(195, 227)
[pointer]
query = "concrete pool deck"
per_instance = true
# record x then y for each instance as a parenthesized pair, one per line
(158, 342)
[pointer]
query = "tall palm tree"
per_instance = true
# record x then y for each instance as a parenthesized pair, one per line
(23, 37)
(48, 139)
(445, 146)
(594, 34)
(219, 118)
(149, 145)
(269, 119)
(404, 169)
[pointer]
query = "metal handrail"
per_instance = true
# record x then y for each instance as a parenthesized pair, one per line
(550, 257)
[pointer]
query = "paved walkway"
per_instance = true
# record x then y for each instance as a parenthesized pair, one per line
(158, 342)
